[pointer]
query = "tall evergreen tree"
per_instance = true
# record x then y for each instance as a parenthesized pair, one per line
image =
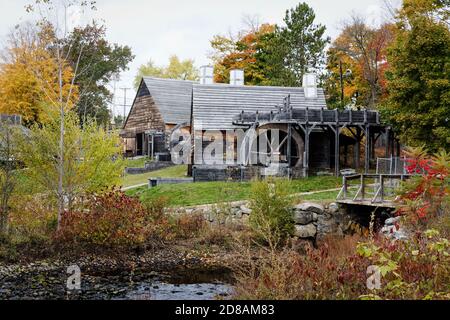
(300, 44)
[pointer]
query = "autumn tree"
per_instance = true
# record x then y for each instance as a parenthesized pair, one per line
(29, 77)
(418, 104)
(91, 158)
(176, 69)
(242, 51)
(271, 54)
(361, 49)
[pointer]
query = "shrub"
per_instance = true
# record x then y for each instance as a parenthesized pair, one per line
(426, 195)
(155, 207)
(271, 217)
(33, 219)
(289, 275)
(109, 219)
(415, 269)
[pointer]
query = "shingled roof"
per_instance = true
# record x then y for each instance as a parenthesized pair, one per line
(215, 105)
(172, 97)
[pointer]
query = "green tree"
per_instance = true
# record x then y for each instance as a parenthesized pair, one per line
(418, 105)
(271, 54)
(98, 63)
(177, 69)
(91, 158)
(300, 44)
(8, 154)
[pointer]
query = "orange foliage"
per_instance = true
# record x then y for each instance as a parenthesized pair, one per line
(29, 83)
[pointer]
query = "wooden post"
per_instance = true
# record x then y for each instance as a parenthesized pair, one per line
(386, 141)
(367, 150)
(307, 115)
(289, 146)
(306, 159)
(363, 187)
(382, 187)
(344, 178)
(336, 151)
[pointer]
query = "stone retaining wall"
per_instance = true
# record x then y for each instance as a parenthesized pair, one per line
(312, 220)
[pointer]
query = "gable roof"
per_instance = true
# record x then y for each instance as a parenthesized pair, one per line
(172, 97)
(214, 106)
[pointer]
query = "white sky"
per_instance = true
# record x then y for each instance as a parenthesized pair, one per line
(157, 29)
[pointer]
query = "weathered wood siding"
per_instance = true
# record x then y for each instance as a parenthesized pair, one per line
(144, 116)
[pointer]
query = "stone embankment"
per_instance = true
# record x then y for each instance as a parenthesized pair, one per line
(312, 220)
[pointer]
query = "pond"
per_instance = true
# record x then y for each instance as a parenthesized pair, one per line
(183, 285)
(137, 285)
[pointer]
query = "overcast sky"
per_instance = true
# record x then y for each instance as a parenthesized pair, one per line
(158, 28)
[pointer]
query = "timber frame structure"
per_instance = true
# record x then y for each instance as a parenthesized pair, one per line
(249, 122)
(359, 123)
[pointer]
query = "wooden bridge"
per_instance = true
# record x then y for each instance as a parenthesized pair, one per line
(377, 190)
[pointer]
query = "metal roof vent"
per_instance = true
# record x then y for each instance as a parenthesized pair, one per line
(206, 75)
(310, 85)
(237, 77)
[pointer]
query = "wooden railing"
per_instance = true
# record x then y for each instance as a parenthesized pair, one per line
(371, 188)
(307, 115)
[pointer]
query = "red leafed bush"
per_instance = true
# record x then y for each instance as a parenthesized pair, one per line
(332, 271)
(112, 218)
(426, 195)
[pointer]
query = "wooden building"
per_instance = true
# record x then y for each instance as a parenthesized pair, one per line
(247, 120)
(160, 105)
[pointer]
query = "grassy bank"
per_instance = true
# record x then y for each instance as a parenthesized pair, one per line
(171, 172)
(188, 194)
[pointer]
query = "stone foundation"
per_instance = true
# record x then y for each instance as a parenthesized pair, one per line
(312, 220)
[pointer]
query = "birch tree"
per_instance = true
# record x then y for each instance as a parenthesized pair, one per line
(55, 15)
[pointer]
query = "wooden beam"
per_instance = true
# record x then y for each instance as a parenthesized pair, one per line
(367, 150)
(289, 145)
(306, 159)
(336, 151)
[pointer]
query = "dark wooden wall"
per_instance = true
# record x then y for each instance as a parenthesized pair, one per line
(144, 116)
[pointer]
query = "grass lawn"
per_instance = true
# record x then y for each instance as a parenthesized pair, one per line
(188, 194)
(328, 196)
(170, 172)
(136, 163)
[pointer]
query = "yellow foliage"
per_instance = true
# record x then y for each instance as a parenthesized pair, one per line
(29, 83)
